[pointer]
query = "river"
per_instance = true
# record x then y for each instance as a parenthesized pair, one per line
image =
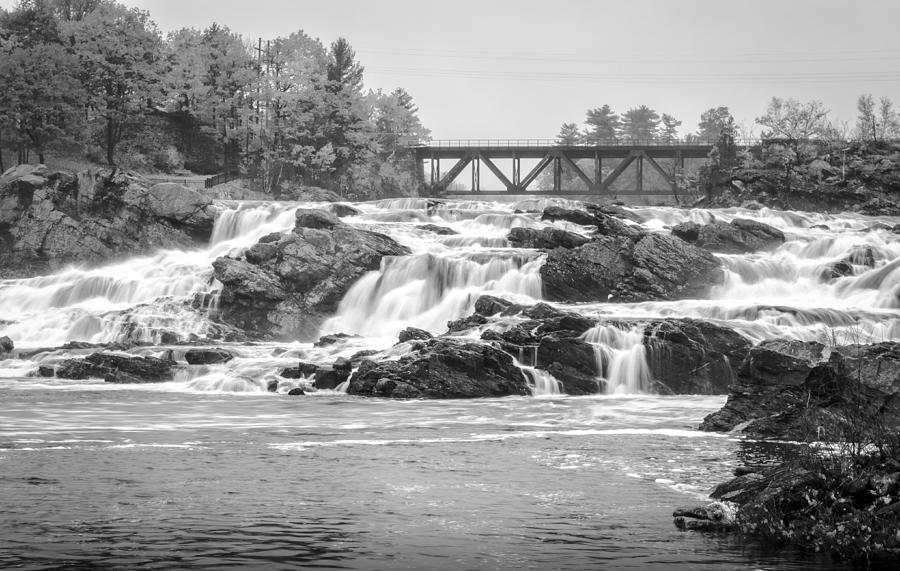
(212, 471)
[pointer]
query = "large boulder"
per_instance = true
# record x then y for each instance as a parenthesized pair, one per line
(740, 236)
(51, 219)
(6, 345)
(572, 362)
(287, 284)
(688, 356)
(115, 368)
(800, 390)
(545, 238)
(630, 268)
(439, 369)
(207, 356)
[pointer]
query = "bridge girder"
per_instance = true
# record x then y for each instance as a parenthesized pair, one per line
(557, 157)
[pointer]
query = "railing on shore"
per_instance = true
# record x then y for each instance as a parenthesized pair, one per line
(221, 179)
(519, 143)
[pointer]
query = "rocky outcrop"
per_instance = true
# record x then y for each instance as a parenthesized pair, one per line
(740, 236)
(51, 219)
(798, 390)
(6, 345)
(861, 177)
(118, 368)
(287, 284)
(688, 356)
(545, 238)
(635, 267)
(207, 356)
(439, 369)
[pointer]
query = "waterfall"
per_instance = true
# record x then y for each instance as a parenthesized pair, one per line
(621, 358)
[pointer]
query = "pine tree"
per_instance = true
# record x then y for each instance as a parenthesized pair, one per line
(601, 126)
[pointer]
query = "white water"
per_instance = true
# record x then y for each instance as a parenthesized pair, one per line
(765, 295)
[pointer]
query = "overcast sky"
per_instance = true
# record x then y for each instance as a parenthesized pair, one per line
(520, 68)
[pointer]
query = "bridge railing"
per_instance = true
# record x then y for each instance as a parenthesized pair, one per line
(515, 143)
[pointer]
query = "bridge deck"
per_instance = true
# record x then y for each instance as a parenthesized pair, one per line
(559, 158)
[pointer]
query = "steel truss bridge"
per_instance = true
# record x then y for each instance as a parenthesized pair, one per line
(459, 154)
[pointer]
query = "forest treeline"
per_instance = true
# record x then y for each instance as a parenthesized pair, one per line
(97, 79)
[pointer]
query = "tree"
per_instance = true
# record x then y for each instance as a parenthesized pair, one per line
(640, 124)
(569, 135)
(713, 122)
(670, 126)
(344, 72)
(866, 123)
(119, 50)
(888, 124)
(794, 121)
(601, 126)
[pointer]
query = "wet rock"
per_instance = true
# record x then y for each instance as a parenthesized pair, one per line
(689, 356)
(571, 361)
(740, 236)
(630, 269)
(442, 368)
(488, 305)
(207, 356)
(51, 219)
(291, 373)
(288, 294)
(465, 323)
(330, 378)
(786, 389)
(118, 368)
(342, 364)
(6, 344)
(343, 210)
(412, 334)
(296, 392)
(580, 217)
(713, 517)
(545, 238)
(46, 371)
(440, 230)
(332, 339)
(272, 386)
(835, 270)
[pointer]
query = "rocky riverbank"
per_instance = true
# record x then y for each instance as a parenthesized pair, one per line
(821, 177)
(52, 219)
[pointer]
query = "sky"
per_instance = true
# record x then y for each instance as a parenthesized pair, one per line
(513, 69)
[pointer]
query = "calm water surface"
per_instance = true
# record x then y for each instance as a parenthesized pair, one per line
(156, 477)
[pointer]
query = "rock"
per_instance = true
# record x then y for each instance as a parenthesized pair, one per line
(207, 356)
(296, 392)
(46, 371)
(574, 216)
(630, 269)
(714, 517)
(342, 210)
(740, 236)
(545, 238)
(834, 270)
(118, 368)
(291, 373)
(286, 291)
(330, 378)
(689, 356)
(272, 386)
(342, 364)
(465, 323)
(332, 339)
(440, 230)
(442, 368)
(687, 231)
(785, 389)
(488, 305)
(6, 344)
(572, 362)
(52, 219)
(413, 334)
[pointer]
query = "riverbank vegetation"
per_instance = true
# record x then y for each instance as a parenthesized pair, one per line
(96, 80)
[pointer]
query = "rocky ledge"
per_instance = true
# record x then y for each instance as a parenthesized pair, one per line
(620, 262)
(287, 284)
(51, 219)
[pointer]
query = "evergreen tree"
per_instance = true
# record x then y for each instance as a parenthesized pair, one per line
(669, 132)
(569, 135)
(344, 72)
(640, 124)
(601, 126)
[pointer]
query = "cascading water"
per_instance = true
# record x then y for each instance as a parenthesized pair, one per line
(459, 251)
